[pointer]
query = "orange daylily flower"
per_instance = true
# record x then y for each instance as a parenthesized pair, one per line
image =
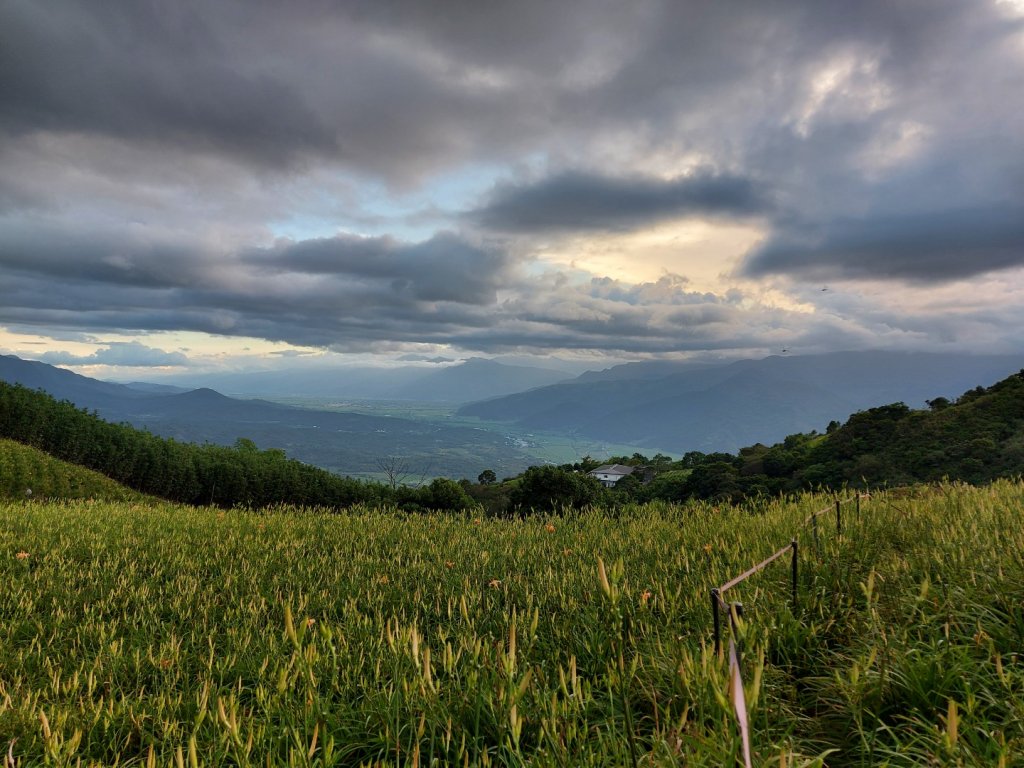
(645, 596)
(549, 528)
(22, 555)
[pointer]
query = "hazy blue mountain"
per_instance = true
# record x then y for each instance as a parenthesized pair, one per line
(156, 389)
(347, 443)
(62, 384)
(724, 407)
(474, 379)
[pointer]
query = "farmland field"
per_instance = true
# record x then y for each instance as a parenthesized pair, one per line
(168, 635)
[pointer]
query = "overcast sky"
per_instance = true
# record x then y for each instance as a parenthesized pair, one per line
(204, 184)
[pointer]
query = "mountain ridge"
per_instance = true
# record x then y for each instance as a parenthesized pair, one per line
(641, 404)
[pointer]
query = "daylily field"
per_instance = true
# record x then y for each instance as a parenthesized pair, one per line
(155, 634)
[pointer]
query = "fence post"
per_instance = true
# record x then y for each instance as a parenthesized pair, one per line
(814, 529)
(795, 559)
(736, 612)
(716, 600)
(857, 509)
(839, 517)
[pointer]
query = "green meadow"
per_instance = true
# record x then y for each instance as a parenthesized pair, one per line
(141, 633)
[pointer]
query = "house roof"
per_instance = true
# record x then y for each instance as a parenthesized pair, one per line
(613, 469)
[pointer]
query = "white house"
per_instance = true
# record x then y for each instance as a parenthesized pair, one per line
(610, 474)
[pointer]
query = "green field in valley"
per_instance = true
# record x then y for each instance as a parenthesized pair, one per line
(542, 447)
(156, 634)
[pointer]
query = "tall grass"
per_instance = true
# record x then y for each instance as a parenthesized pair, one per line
(134, 633)
(29, 472)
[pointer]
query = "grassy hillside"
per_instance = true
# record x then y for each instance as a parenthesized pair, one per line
(130, 632)
(977, 438)
(28, 472)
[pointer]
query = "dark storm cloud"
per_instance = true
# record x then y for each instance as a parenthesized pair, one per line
(148, 72)
(268, 85)
(151, 152)
(443, 268)
(586, 201)
(125, 256)
(933, 247)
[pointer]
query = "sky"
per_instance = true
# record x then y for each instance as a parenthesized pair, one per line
(207, 185)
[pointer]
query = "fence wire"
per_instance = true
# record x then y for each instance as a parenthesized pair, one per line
(736, 693)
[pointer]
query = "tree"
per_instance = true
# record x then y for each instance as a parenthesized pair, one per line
(394, 468)
(551, 488)
(487, 477)
(717, 480)
(447, 494)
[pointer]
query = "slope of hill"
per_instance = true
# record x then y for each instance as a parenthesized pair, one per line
(62, 384)
(977, 439)
(721, 408)
(27, 472)
(347, 443)
(341, 629)
(474, 379)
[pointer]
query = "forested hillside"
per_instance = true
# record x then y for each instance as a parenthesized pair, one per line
(977, 438)
(207, 474)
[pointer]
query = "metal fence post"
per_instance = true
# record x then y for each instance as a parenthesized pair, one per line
(795, 560)
(736, 612)
(716, 600)
(857, 509)
(814, 529)
(839, 517)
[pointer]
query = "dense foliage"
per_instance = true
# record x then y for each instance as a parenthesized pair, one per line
(193, 474)
(145, 634)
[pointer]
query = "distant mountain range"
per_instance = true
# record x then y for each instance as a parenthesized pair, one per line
(655, 406)
(474, 379)
(682, 407)
(347, 443)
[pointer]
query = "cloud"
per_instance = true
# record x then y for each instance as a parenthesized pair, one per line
(446, 267)
(935, 247)
(119, 353)
(585, 201)
(152, 156)
(414, 358)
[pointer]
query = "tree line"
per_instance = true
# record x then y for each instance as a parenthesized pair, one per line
(197, 474)
(977, 438)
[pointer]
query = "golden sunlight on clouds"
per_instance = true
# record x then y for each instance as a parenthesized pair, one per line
(701, 251)
(202, 349)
